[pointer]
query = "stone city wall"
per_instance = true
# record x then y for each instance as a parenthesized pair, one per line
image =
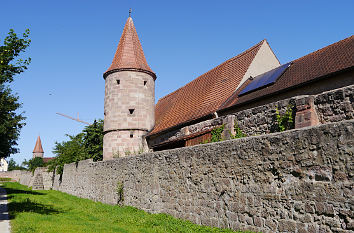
(40, 179)
(296, 181)
(263, 119)
(173, 135)
(337, 105)
(23, 177)
(308, 110)
(331, 106)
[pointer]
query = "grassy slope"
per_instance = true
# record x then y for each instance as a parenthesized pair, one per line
(53, 211)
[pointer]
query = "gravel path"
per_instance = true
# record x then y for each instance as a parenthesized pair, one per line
(4, 214)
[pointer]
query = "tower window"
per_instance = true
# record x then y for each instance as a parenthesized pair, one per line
(131, 134)
(118, 81)
(145, 82)
(131, 111)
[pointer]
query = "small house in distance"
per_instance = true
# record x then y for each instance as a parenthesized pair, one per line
(3, 165)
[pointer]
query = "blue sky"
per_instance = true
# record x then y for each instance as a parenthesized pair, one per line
(73, 43)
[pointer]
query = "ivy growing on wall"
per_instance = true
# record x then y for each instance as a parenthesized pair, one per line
(238, 132)
(120, 193)
(216, 134)
(286, 120)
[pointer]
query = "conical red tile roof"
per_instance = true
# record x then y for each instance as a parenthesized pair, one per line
(38, 147)
(129, 54)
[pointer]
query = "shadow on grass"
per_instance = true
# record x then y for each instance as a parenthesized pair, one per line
(29, 206)
(19, 191)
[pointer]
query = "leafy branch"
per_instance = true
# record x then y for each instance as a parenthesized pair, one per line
(286, 120)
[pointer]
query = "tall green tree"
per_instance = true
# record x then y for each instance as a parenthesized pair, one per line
(14, 166)
(93, 140)
(32, 164)
(86, 145)
(11, 64)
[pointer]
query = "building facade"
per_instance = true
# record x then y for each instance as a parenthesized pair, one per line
(3, 165)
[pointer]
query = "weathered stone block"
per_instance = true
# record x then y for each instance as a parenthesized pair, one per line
(286, 226)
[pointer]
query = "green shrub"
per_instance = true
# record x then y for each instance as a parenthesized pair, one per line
(238, 132)
(285, 121)
(32, 164)
(216, 134)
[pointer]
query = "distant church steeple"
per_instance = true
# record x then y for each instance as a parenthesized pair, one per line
(129, 104)
(38, 150)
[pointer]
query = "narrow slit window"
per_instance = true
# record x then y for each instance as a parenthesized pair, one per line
(131, 111)
(118, 81)
(145, 82)
(131, 135)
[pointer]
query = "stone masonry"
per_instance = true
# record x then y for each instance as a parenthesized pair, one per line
(40, 179)
(129, 112)
(336, 105)
(295, 181)
(308, 110)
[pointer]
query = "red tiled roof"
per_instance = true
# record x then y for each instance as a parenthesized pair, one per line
(203, 95)
(46, 160)
(38, 147)
(335, 57)
(129, 54)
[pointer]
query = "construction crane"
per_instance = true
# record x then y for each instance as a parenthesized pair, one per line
(72, 118)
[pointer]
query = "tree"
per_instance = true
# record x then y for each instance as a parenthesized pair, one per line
(86, 145)
(32, 164)
(93, 140)
(11, 122)
(14, 166)
(67, 152)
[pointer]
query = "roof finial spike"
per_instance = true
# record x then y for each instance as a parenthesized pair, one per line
(130, 12)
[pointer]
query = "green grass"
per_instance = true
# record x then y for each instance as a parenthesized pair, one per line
(53, 211)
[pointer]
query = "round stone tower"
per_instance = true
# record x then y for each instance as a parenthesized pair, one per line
(129, 104)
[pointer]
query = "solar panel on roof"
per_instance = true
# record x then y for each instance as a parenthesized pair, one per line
(265, 79)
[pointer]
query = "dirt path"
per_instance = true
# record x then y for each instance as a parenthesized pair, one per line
(4, 214)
